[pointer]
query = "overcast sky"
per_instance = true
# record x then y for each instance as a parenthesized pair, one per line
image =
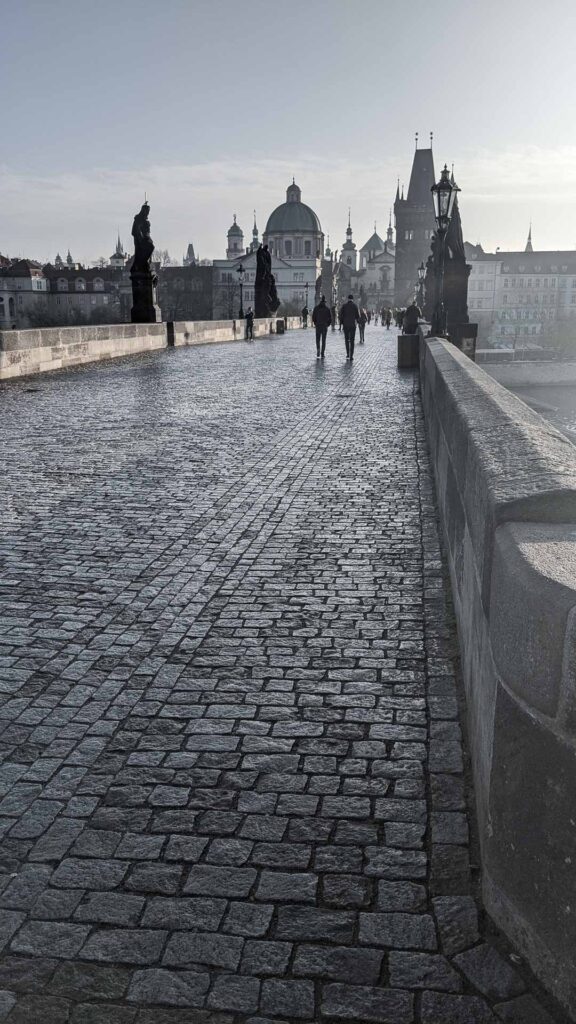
(212, 105)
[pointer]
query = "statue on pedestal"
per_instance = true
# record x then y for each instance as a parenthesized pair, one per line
(266, 300)
(456, 273)
(145, 309)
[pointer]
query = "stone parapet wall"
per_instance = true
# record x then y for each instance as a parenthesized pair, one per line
(506, 483)
(27, 352)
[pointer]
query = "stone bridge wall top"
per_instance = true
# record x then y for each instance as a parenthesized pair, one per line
(506, 483)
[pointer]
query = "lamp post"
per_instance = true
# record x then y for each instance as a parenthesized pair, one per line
(421, 276)
(444, 195)
(306, 290)
(240, 271)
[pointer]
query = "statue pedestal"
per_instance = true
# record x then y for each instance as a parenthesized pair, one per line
(408, 351)
(144, 308)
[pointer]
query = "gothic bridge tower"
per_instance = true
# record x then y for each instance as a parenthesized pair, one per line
(415, 225)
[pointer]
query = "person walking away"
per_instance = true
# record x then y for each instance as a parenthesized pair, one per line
(321, 318)
(305, 316)
(250, 324)
(411, 317)
(362, 324)
(349, 317)
(388, 318)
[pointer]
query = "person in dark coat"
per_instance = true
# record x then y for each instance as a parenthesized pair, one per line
(349, 317)
(411, 317)
(250, 323)
(364, 319)
(321, 318)
(305, 316)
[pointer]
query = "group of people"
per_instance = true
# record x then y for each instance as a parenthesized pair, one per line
(350, 317)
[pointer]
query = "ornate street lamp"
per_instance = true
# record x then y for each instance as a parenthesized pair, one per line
(421, 276)
(240, 271)
(444, 195)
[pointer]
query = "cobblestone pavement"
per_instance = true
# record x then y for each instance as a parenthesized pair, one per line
(232, 785)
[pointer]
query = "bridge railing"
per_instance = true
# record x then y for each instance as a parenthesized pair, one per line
(54, 348)
(506, 485)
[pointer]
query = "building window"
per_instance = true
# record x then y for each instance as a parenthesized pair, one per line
(506, 282)
(98, 284)
(62, 284)
(308, 248)
(505, 300)
(80, 284)
(288, 246)
(408, 236)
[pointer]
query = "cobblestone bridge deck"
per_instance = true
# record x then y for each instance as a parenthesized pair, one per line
(232, 785)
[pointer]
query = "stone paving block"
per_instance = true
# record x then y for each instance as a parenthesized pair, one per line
(185, 948)
(295, 999)
(125, 946)
(438, 1008)
(294, 887)
(302, 923)
(232, 992)
(422, 970)
(457, 920)
(174, 913)
(363, 1003)
(265, 957)
(31, 1009)
(170, 988)
(402, 931)
(90, 981)
(489, 972)
(111, 908)
(344, 963)
(48, 938)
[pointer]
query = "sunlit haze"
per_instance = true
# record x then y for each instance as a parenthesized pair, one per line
(210, 106)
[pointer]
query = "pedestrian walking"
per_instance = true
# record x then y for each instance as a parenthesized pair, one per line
(388, 318)
(250, 324)
(349, 317)
(411, 316)
(305, 316)
(364, 319)
(321, 318)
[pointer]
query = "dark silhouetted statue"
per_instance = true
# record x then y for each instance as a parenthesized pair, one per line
(144, 306)
(456, 273)
(266, 300)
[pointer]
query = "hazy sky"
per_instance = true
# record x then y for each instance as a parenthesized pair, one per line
(212, 105)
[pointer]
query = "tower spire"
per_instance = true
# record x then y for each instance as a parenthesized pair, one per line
(529, 247)
(416, 140)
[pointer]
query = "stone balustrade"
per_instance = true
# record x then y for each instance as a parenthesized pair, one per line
(506, 483)
(55, 348)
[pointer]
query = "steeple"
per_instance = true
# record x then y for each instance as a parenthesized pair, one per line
(69, 260)
(349, 247)
(390, 231)
(255, 242)
(119, 247)
(529, 242)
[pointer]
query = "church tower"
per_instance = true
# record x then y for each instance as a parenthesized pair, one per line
(415, 225)
(348, 255)
(235, 241)
(529, 242)
(255, 241)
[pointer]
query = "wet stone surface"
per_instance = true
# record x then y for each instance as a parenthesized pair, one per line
(231, 786)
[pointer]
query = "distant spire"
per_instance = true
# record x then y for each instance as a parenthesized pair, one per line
(416, 140)
(389, 233)
(431, 139)
(349, 228)
(375, 227)
(234, 218)
(397, 191)
(402, 196)
(529, 242)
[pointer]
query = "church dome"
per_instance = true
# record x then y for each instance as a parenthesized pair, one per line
(235, 229)
(293, 215)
